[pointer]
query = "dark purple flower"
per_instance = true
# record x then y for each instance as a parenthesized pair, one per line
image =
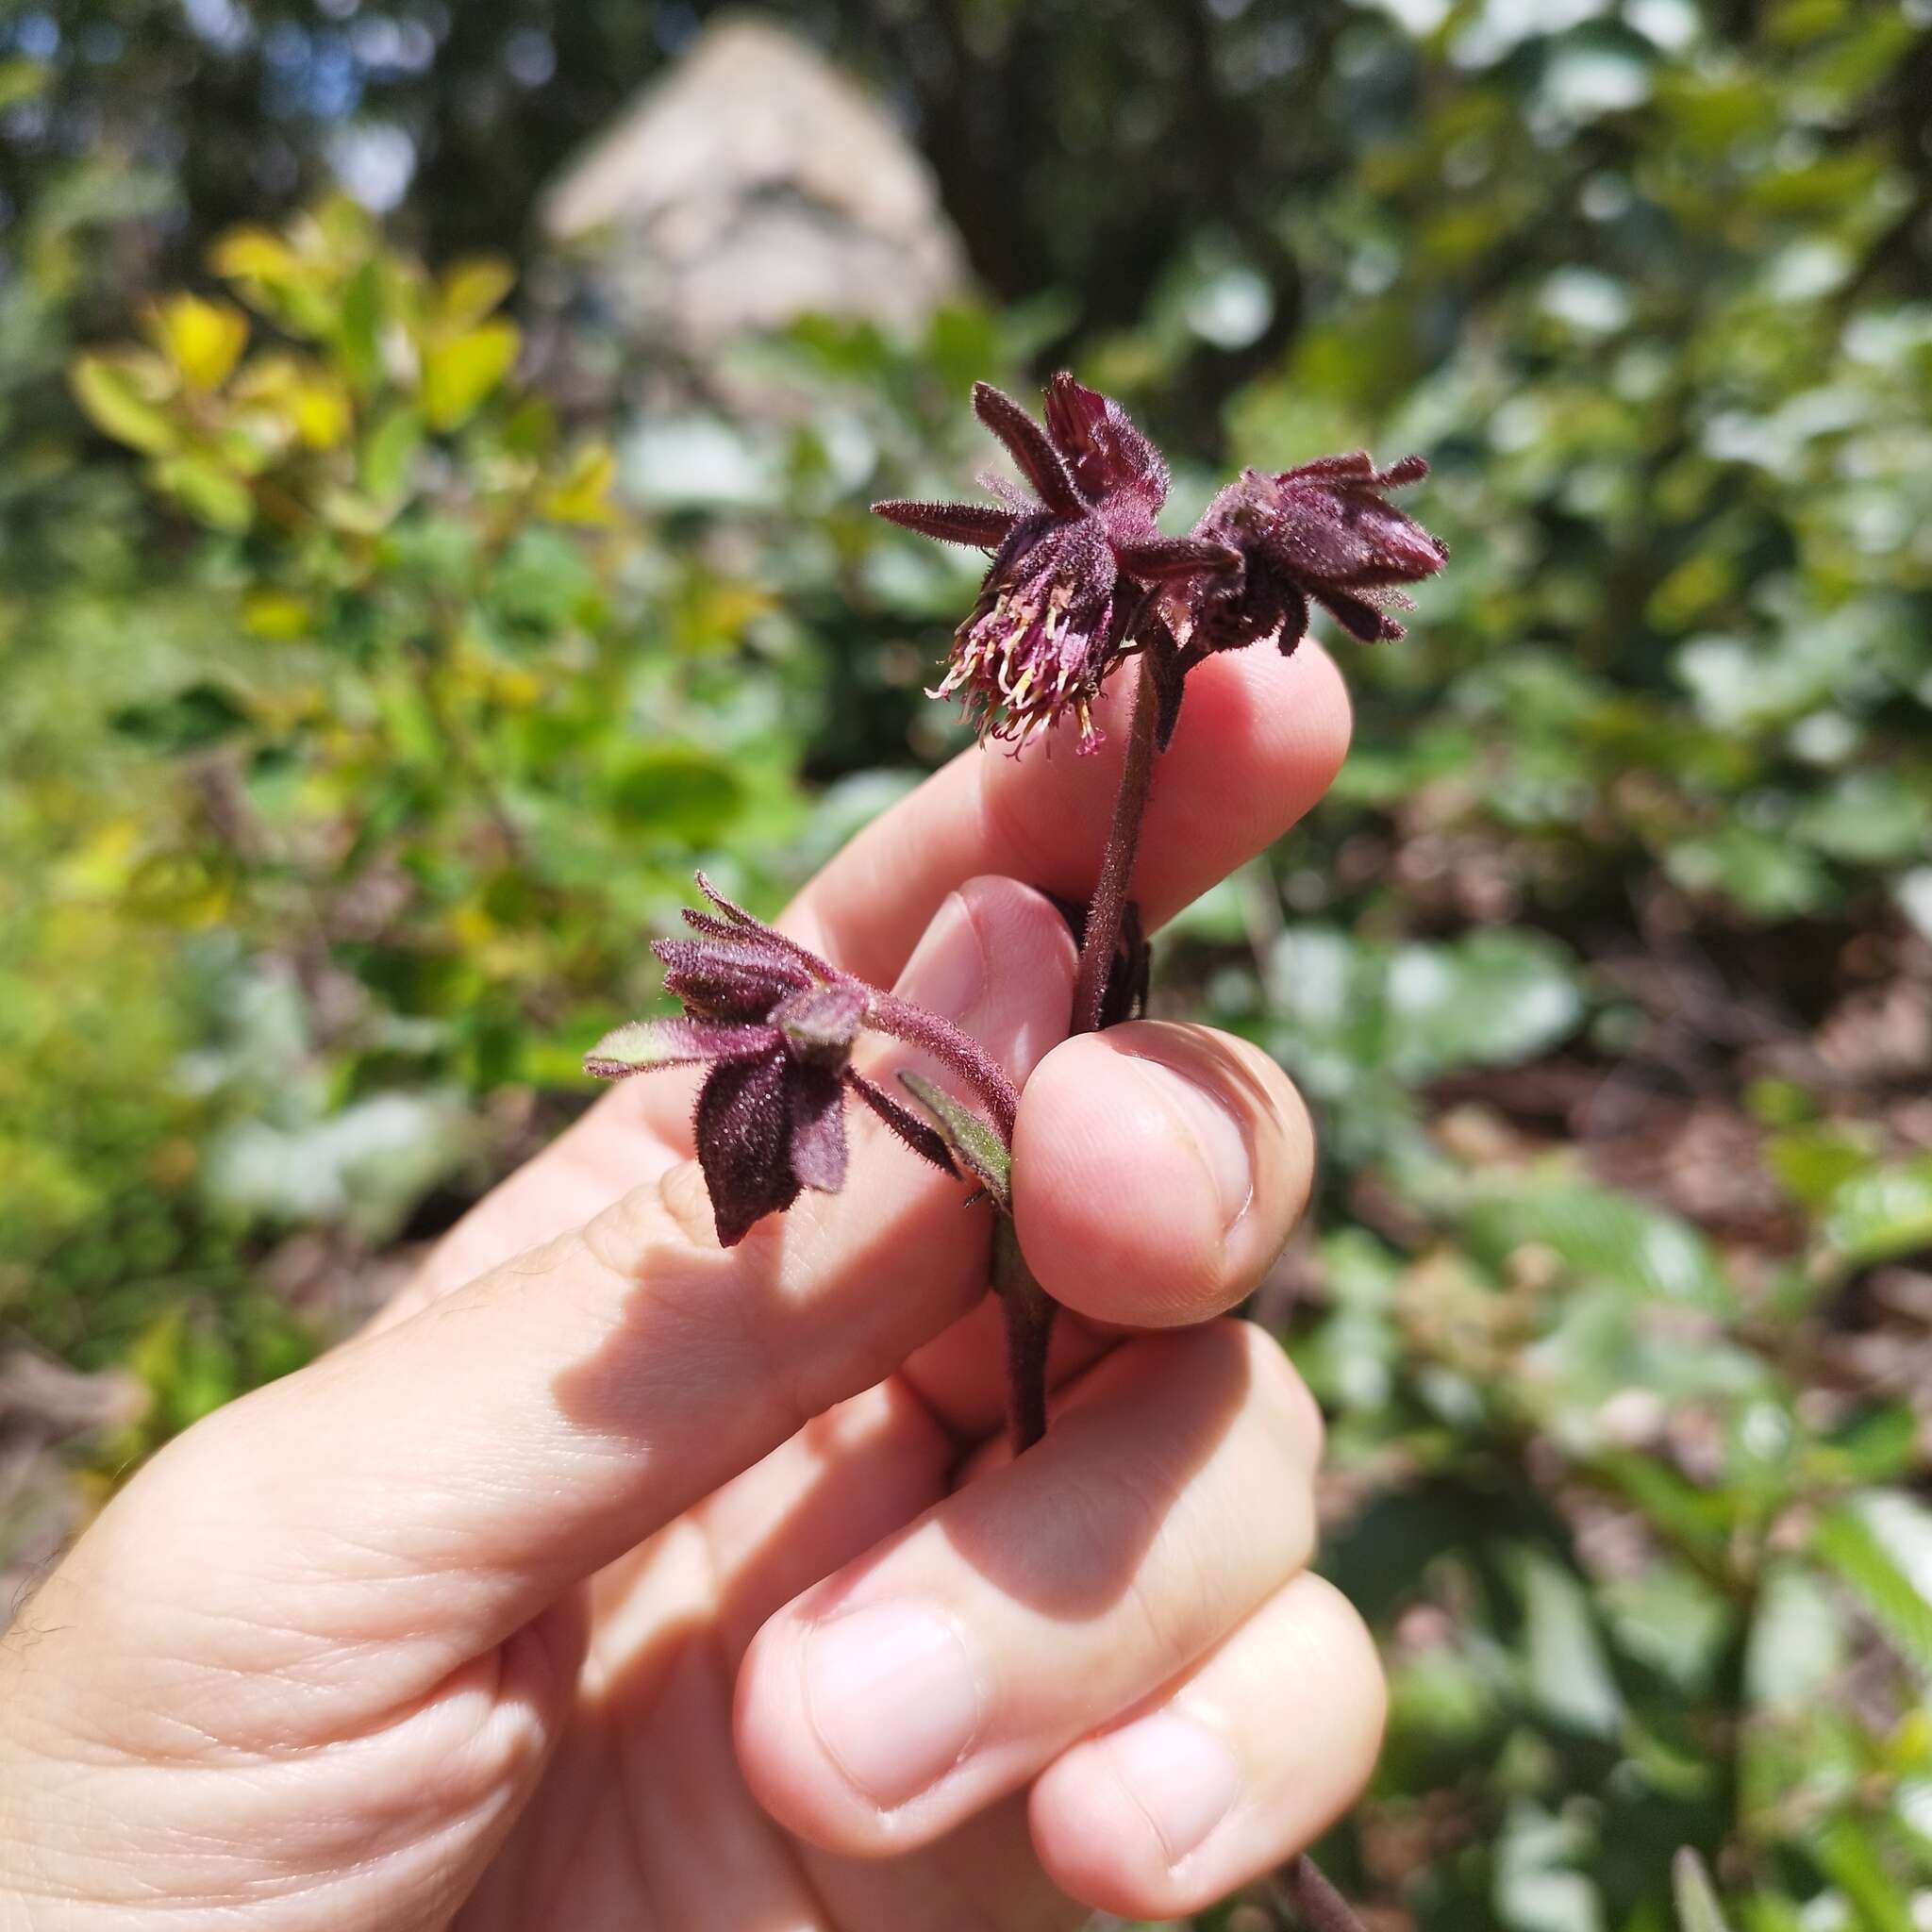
(1321, 532)
(775, 1025)
(1071, 572)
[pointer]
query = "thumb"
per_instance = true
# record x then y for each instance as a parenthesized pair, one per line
(448, 1477)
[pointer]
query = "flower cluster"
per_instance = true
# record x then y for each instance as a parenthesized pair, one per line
(1072, 572)
(1321, 532)
(1082, 579)
(775, 1025)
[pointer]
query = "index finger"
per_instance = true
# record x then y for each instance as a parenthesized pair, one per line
(1261, 737)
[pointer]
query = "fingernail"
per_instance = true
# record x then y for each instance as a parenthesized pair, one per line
(894, 1697)
(1182, 1774)
(946, 973)
(1219, 1137)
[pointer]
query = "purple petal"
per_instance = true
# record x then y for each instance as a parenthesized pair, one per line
(711, 926)
(817, 1099)
(979, 525)
(646, 1044)
(728, 982)
(1357, 463)
(744, 1144)
(735, 913)
(754, 933)
(1402, 471)
(1357, 615)
(1100, 442)
(917, 1135)
(1039, 460)
(1348, 537)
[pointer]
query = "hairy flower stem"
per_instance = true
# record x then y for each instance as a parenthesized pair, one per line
(1027, 1308)
(1109, 904)
(886, 1012)
(1030, 1310)
(1029, 1313)
(1315, 1903)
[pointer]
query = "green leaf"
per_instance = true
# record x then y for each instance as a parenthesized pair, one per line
(1881, 1214)
(1812, 1162)
(217, 497)
(1603, 1233)
(1880, 1545)
(1767, 876)
(387, 453)
(977, 1147)
(678, 792)
(1797, 1642)
(1697, 1906)
(1700, 1521)
(121, 396)
(1867, 818)
(1493, 999)
(192, 720)
(358, 327)
(1848, 1857)
(1569, 1675)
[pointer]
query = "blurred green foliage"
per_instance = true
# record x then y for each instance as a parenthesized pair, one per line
(362, 712)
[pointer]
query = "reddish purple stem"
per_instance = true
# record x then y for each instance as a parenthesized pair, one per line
(959, 1052)
(1109, 903)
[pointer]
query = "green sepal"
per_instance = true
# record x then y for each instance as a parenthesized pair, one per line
(974, 1145)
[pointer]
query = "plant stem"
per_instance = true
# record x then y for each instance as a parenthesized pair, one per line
(1109, 906)
(1029, 1313)
(1316, 1903)
(886, 1012)
(1030, 1310)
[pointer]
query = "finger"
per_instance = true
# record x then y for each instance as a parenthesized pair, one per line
(456, 1472)
(1158, 1171)
(1133, 1148)
(953, 1664)
(1244, 1762)
(1260, 737)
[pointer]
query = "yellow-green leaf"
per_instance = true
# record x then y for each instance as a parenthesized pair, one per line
(21, 80)
(389, 448)
(358, 331)
(121, 396)
(472, 289)
(322, 413)
(253, 255)
(458, 374)
(583, 494)
(203, 340)
(276, 614)
(348, 509)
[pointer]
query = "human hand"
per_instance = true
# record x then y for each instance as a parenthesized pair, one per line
(611, 1579)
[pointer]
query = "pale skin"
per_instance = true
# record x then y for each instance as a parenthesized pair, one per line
(610, 1580)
